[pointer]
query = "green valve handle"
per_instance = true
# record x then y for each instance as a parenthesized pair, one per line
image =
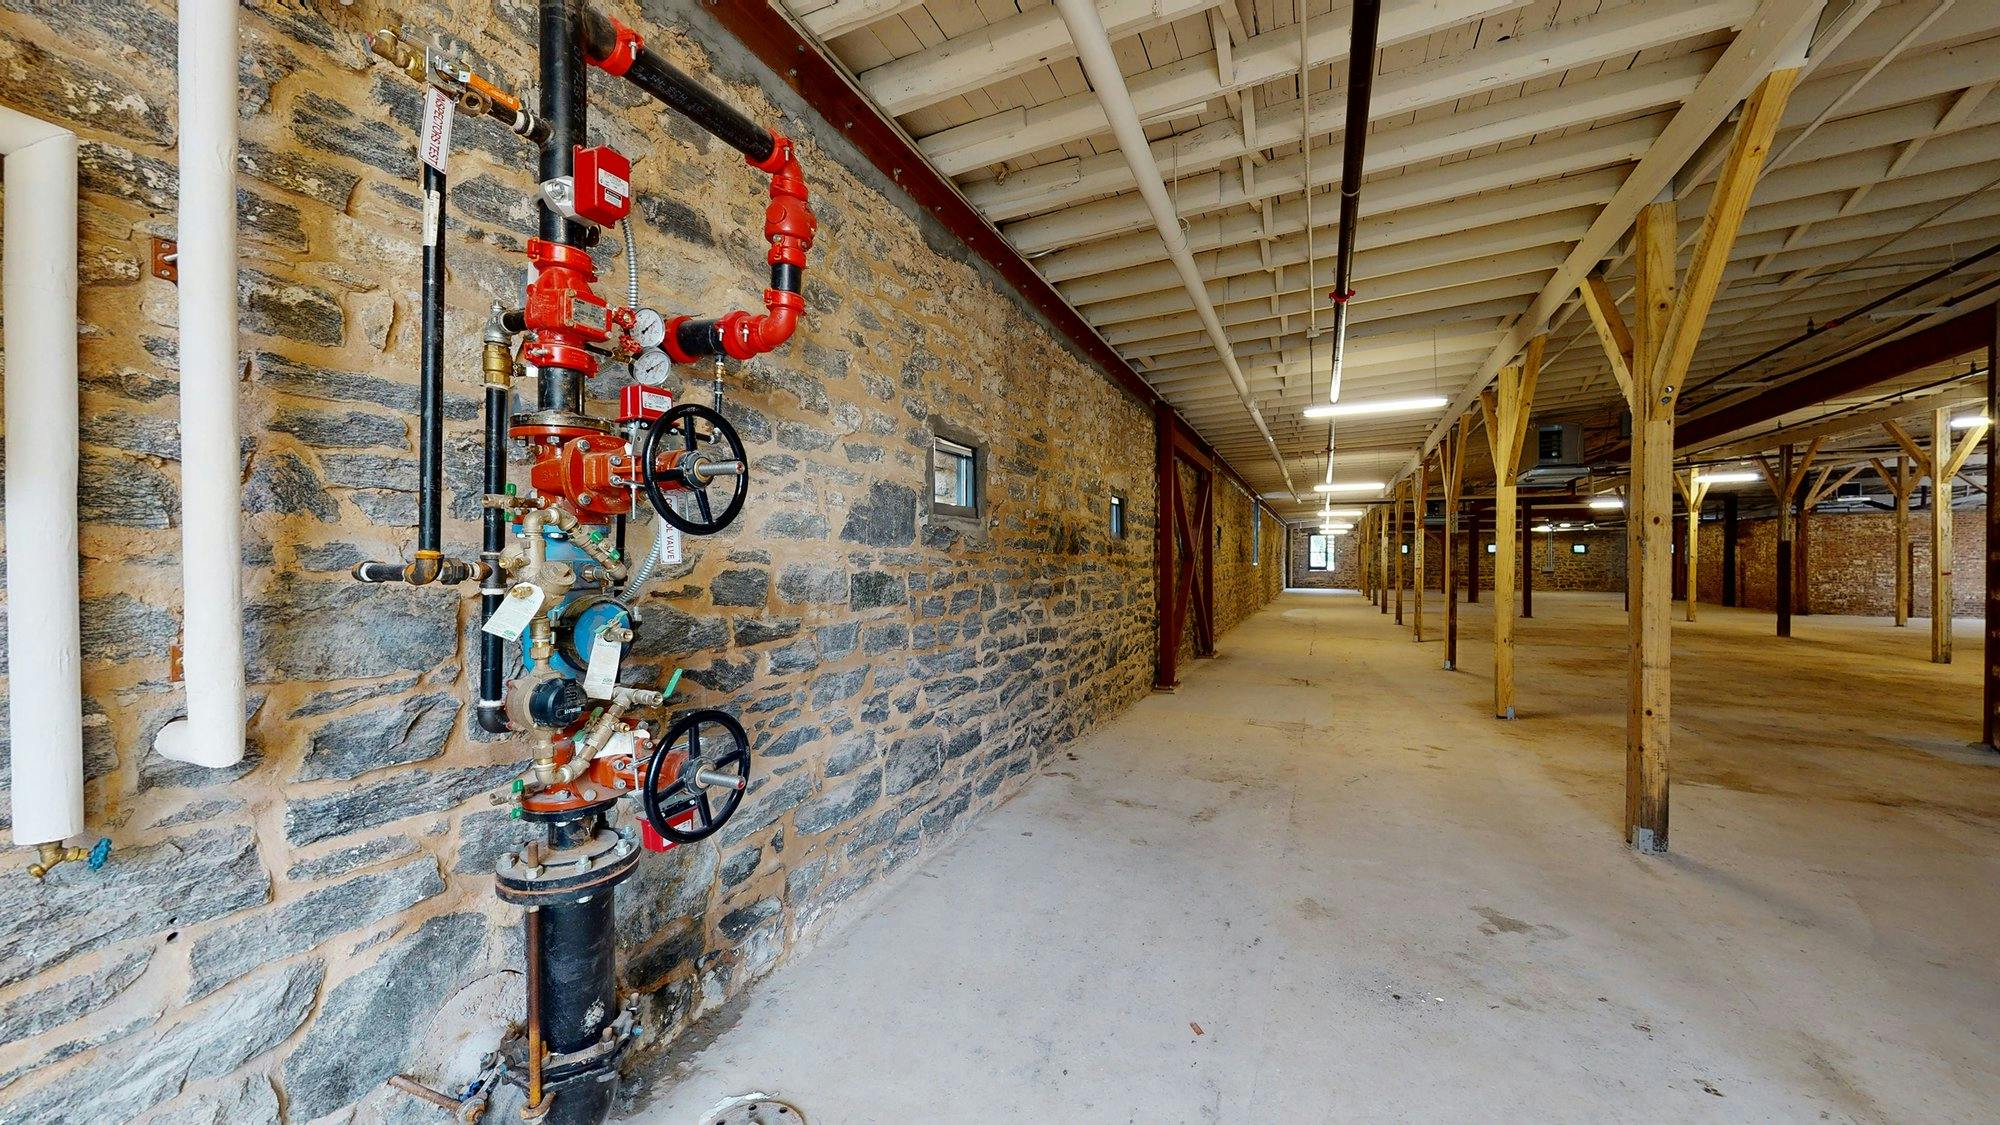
(511, 487)
(597, 537)
(515, 812)
(516, 787)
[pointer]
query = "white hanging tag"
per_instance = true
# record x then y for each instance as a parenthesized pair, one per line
(437, 128)
(516, 610)
(602, 674)
(670, 543)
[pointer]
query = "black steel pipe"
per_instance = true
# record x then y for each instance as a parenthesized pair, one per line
(565, 106)
(680, 93)
(1353, 146)
(579, 991)
(493, 650)
(430, 390)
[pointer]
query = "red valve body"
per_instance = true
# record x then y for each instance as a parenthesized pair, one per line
(562, 313)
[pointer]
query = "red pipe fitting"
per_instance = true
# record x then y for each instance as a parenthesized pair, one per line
(789, 226)
(624, 51)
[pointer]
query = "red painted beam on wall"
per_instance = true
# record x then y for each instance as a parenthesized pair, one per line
(1936, 344)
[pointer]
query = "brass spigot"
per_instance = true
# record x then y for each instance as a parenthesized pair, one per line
(51, 854)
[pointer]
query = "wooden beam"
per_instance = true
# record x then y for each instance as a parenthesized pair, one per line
(1734, 185)
(1649, 531)
(1612, 334)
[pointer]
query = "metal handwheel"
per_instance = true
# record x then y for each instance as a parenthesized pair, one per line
(695, 465)
(715, 759)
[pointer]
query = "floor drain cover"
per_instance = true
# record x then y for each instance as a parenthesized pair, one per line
(755, 1109)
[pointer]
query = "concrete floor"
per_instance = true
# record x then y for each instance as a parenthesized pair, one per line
(1321, 883)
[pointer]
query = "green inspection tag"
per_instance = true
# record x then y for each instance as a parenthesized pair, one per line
(673, 682)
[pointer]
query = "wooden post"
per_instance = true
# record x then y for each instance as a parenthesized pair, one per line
(1990, 709)
(1785, 479)
(1729, 549)
(1397, 504)
(1382, 533)
(1941, 546)
(1419, 500)
(1941, 464)
(1649, 513)
(1472, 555)
(1505, 408)
(1693, 490)
(1527, 560)
(1451, 458)
(1900, 483)
(1787, 529)
(1668, 325)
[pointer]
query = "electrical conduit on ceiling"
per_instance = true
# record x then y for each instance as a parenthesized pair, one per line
(1093, 48)
(211, 465)
(38, 288)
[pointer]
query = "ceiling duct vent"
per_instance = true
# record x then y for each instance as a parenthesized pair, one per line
(1558, 455)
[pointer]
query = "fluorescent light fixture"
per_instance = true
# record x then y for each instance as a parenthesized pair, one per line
(1968, 421)
(1376, 406)
(1728, 478)
(1339, 513)
(1543, 530)
(1607, 504)
(1348, 486)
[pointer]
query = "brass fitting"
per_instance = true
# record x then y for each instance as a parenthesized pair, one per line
(50, 855)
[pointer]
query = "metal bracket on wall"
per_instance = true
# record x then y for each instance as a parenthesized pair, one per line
(166, 256)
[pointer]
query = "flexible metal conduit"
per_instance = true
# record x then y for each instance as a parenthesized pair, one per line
(1093, 49)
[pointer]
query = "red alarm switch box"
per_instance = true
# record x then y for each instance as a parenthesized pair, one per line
(640, 403)
(603, 180)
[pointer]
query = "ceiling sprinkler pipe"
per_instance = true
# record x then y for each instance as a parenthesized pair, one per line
(1354, 145)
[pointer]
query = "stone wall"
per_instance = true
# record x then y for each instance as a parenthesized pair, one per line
(292, 930)
(1850, 562)
(1249, 555)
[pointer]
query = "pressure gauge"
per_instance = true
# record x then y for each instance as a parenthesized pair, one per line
(652, 366)
(649, 328)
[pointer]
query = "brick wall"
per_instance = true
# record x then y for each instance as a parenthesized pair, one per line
(1850, 562)
(294, 929)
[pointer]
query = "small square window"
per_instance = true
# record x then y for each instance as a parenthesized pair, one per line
(1406, 548)
(1493, 548)
(1319, 555)
(1579, 548)
(1117, 516)
(955, 483)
